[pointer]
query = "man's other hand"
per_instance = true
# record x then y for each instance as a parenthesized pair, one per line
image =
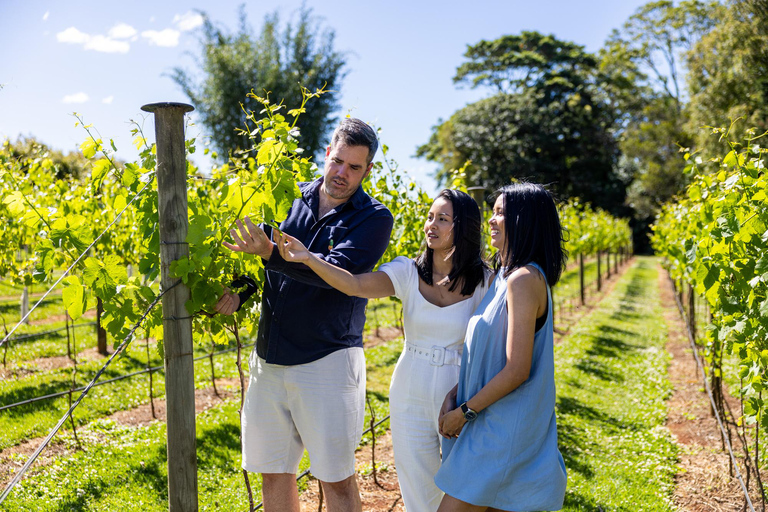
(228, 303)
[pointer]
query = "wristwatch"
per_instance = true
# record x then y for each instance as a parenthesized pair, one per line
(469, 414)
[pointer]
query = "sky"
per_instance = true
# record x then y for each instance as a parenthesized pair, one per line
(105, 59)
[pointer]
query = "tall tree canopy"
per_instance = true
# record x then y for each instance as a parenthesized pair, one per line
(549, 121)
(279, 61)
(651, 47)
(728, 77)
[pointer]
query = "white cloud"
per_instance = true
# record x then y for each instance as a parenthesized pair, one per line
(72, 35)
(188, 21)
(108, 100)
(45, 16)
(107, 45)
(122, 31)
(80, 97)
(100, 43)
(167, 37)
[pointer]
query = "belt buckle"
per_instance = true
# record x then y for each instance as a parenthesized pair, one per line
(437, 358)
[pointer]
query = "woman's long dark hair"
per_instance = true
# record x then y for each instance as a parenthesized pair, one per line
(468, 268)
(533, 231)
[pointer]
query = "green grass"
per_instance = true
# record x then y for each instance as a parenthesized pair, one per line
(10, 310)
(124, 468)
(612, 389)
(568, 286)
(20, 353)
(382, 312)
(8, 289)
(38, 418)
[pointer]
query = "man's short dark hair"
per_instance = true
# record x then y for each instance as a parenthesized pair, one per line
(354, 132)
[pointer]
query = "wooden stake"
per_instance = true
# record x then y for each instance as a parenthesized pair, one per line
(177, 322)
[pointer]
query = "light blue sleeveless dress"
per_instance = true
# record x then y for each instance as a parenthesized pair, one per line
(507, 458)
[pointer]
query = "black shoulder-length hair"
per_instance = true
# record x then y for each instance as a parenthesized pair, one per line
(533, 231)
(468, 270)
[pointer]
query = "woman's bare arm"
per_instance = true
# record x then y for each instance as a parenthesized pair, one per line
(526, 300)
(371, 285)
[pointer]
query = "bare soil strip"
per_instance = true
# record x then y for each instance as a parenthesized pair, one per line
(704, 482)
(46, 364)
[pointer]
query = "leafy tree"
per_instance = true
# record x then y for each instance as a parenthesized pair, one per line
(548, 121)
(514, 63)
(652, 143)
(657, 37)
(65, 167)
(650, 51)
(728, 76)
(278, 62)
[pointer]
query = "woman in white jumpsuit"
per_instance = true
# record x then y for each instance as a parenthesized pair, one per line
(439, 290)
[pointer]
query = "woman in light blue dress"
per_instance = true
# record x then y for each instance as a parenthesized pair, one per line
(500, 448)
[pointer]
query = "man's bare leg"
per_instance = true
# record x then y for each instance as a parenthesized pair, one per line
(280, 492)
(343, 496)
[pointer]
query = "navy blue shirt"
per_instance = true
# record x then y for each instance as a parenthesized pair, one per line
(302, 318)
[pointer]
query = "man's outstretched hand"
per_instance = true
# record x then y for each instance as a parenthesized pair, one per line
(249, 238)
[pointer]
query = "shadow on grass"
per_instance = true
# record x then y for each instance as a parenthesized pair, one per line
(598, 369)
(10, 308)
(572, 444)
(384, 362)
(153, 472)
(609, 346)
(60, 381)
(567, 405)
(216, 445)
(381, 397)
(578, 502)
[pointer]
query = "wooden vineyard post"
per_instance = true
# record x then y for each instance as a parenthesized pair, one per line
(692, 312)
(599, 276)
(101, 334)
(581, 277)
(25, 304)
(177, 323)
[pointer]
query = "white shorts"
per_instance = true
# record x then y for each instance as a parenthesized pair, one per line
(318, 406)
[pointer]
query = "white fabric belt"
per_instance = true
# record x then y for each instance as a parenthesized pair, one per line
(437, 356)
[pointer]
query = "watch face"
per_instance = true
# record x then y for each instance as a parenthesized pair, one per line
(470, 415)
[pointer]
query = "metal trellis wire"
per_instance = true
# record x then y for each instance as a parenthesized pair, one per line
(712, 401)
(117, 217)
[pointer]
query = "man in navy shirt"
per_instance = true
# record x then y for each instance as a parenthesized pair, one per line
(307, 387)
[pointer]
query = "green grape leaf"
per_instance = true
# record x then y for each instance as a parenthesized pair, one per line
(16, 204)
(74, 296)
(73, 229)
(90, 147)
(182, 268)
(267, 152)
(104, 276)
(200, 229)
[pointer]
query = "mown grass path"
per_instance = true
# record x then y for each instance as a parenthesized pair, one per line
(612, 387)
